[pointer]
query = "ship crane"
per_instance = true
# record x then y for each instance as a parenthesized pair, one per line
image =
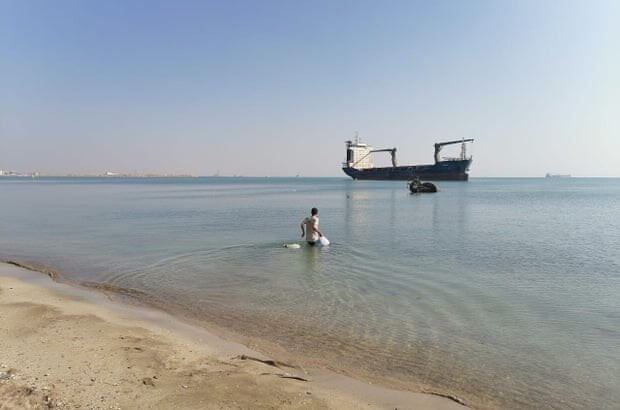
(391, 151)
(439, 146)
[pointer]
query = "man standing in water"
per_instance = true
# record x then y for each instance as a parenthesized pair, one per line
(311, 224)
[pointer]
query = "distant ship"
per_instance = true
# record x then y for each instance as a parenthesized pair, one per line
(359, 164)
(548, 175)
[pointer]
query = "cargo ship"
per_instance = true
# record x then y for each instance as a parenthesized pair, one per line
(359, 164)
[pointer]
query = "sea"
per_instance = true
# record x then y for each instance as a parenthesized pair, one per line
(501, 292)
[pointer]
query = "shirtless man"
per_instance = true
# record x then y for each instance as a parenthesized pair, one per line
(311, 225)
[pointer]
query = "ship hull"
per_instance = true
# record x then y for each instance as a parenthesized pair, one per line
(441, 171)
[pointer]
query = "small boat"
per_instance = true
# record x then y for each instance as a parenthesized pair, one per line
(416, 187)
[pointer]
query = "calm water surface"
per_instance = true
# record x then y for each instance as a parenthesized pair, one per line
(502, 292)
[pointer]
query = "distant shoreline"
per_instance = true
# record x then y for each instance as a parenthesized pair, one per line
(147, 176)
(37, 175)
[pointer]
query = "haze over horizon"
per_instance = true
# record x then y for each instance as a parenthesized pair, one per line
(274, 88)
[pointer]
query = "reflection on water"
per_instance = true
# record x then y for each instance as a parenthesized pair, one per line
(312, 257)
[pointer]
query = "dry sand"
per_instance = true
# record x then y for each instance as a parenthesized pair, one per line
(66, 347)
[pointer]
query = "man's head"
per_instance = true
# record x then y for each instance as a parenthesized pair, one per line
(314, 211)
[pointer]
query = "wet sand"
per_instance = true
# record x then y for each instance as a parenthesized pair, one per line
(68, 347)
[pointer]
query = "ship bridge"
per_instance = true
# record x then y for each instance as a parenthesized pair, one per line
(359, 155)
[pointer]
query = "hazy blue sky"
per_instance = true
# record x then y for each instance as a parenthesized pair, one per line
(276, 87)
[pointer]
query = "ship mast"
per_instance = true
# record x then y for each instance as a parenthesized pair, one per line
(440, 145)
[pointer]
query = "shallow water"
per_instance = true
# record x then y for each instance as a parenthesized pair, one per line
(502, 292)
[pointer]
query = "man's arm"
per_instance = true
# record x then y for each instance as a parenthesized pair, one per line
(303, 232)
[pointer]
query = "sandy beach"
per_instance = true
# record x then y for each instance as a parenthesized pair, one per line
(63, 346)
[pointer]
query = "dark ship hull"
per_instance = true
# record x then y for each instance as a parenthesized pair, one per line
(453, 170)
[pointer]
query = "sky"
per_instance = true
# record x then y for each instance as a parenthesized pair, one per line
(274, 88)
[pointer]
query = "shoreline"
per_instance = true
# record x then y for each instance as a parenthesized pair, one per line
(66, 345)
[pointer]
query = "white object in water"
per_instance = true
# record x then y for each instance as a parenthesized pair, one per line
(292, 245)
(323, 241)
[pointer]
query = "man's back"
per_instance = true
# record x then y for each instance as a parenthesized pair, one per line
(311, 222)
